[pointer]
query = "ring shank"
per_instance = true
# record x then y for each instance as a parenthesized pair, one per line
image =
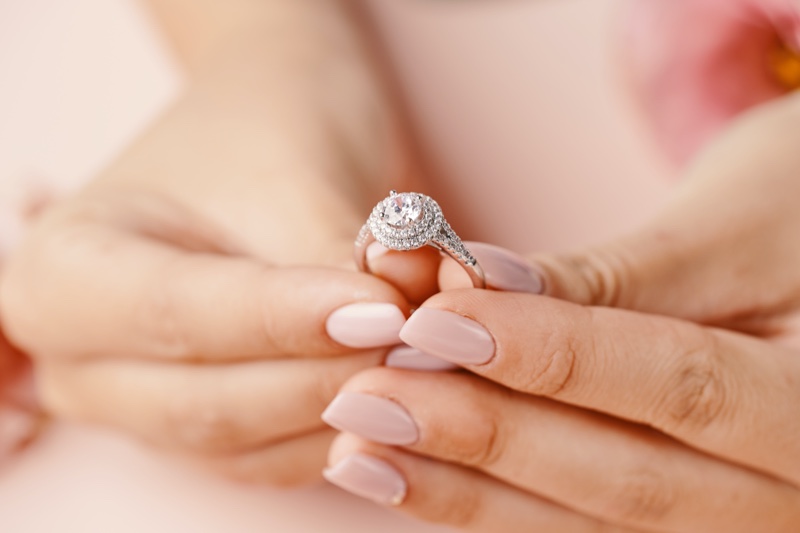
(366, 238)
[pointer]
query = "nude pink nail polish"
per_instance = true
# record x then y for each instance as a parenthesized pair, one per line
(506, 270)
(366, 325)
(368, 477)
(410, 358)
(371, 417)
(448, 335)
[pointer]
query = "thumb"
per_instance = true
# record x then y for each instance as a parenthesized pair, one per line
(654, 271)
(687, 264)
(722, 251)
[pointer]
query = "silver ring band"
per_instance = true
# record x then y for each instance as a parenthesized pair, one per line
(408, 221)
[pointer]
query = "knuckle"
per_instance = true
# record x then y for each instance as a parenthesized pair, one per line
(603, 274)
(482, 446)
(558, 358)
(697, 395)
(158, 315)
(642, 496)
(202, 425)
(268, 327)
(480, 440)
(462, 508)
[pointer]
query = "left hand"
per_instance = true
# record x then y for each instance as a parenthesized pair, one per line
(576, 416)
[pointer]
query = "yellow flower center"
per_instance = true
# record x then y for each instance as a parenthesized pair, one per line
(784, 64)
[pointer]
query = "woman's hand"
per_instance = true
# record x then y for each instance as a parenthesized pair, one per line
(141, 317)
(193, 294)
(595, 413)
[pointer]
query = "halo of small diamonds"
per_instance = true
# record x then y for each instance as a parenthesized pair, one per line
(416, 229)
(411, 220)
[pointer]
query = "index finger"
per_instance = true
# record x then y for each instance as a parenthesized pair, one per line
(719, 391)
(101, 290)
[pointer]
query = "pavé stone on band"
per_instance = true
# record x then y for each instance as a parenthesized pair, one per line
(409, 220)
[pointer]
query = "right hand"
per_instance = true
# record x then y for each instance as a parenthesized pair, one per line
(140, 315)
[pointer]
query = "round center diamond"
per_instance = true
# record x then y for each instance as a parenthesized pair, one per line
(402, 210)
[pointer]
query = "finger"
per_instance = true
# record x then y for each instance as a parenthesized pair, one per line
(210, 409)
(288, 463)
(413, 273)
(444, 493)
(719, 391)
(144, 298)
(504, 270)
(419, 275)
(615, 471)
(705, 257)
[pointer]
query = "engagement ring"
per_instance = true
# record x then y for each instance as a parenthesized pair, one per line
(409, 220)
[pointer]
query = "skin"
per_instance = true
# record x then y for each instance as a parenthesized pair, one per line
(653, 387)
(162, 300)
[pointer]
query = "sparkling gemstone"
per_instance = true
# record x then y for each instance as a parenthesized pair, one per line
(402, 210)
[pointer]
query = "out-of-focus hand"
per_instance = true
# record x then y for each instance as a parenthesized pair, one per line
(142, 316)
(194, 294)
(662, 395)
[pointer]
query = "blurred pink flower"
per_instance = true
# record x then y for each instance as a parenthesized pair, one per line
(698, 63)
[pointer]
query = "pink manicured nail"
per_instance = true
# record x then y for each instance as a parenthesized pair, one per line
(371, 417)
(368, 477)
(506, 270)
(448, 335)
(410, 358)
(366, 325)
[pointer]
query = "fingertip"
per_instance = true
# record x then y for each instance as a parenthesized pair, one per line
(506, 270)
(375, 251)
(406, 357)
(413, 273)
(343, 445)
(366, 325)
(368, 477)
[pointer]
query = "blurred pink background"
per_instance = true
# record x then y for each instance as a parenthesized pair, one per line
(521, 103)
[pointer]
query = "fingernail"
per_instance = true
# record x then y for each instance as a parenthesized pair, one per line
(448, 335)
(366, 325)
(410, 358)
(368, 477)
(506, 270)
(371, 417)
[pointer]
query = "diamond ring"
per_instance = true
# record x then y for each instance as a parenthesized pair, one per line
(409, 220)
